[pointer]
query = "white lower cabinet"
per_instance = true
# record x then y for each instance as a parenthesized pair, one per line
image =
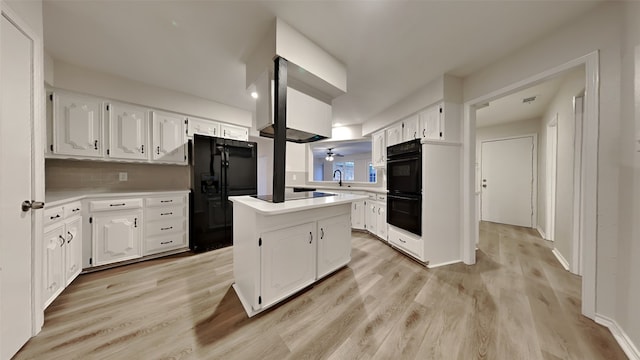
(376, 215)
(288, 259)
(53, 267)
(410, 243)
(165, 224)
(61, 250)
(334, 244)
(357, 215)
(116, 236)
(275, 256)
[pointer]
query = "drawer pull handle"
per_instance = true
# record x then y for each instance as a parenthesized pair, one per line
(70, 237)
(61, 240)
(158, 150)
(402, 241)
(166, 201)
(75, 210)
(167, 228)
(121, 204)
(310, 237)
(169, 213)
(54, 217)
(166, 242)
(142, 148)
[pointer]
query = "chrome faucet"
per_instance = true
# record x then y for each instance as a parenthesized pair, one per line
(334, 176)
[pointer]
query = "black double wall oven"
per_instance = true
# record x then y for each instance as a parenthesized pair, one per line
(404, 185)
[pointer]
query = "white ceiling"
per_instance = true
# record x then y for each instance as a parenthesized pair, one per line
(390, 48)
(511, 108)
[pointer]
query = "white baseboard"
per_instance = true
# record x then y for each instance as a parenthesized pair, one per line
(541, 232)
(443, 264)
(561, 259)
(621, 337)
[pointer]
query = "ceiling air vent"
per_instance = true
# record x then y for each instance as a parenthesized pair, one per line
(529, 99)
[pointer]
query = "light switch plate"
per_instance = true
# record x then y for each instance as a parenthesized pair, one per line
(123, 176)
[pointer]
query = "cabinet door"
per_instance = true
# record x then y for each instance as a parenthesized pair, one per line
(430, 123)
(370, 217)
(288, 261)
(73, 249)
(128, 131)
(234, 132)
(202, 127)
(410, 128)
(116, 236)
(379, 150)
(394, 134)
(77, 125)
(168, 138)
(334, 244)
(381, 221)
(53, 281)
(357, 214)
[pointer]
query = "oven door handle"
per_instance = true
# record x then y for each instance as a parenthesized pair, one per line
(407, 159)
(391, 197)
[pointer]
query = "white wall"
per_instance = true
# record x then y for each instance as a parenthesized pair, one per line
(30, 12)
(600, 29)
(74, 78)
(628, 162)
(562, 105)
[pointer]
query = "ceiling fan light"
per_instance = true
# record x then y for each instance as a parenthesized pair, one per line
(331, 158)
(327, 158)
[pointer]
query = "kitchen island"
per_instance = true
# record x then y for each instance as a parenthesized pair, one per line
(281, 248)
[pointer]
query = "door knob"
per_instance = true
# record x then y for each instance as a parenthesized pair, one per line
(27, 205)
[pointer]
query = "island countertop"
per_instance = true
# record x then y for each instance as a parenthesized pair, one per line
(269, 208)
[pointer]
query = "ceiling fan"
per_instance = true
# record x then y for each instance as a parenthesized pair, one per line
(331, 154)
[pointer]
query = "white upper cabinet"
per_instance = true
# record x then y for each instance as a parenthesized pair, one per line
(410, 128)
(77, 125)
(430, 123)
(168, 138)
(234, 132)
(441, 122)
(394, 134)
(379, 150)
(202, 127)
(128, 131)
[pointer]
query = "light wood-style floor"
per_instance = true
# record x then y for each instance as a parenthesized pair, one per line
(516, 303)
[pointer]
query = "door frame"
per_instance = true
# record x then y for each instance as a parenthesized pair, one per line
(587, 182)
(37, 162)
(551, 178)
(534, 168)
(576, 243)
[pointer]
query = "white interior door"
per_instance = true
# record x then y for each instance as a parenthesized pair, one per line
(507, 181)
(16, 119)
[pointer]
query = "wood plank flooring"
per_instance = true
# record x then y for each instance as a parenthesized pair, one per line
(517, 302)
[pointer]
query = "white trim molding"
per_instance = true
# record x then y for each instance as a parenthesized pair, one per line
(620, 335)
(561, 259)
(588, 173)
(541, 232)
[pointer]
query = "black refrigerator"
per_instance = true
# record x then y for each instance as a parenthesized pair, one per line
(219, 168)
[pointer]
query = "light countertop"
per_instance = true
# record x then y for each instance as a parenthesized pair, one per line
(378, 190)
(55, 198)
(269, 208)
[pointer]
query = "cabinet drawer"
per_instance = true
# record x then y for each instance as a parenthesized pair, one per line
(53, 215)
(116, 204)
(168, 226)
(410, 244)
(165, 200)
(156, 244)
(165, 212)
(74, 208)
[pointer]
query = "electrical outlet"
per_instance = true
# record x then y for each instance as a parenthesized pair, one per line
(294, 177)
(123, 176)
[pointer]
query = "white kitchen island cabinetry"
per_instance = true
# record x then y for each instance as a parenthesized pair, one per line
(279, 249)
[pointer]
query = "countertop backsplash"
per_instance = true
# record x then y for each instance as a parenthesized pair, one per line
(63, 175)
